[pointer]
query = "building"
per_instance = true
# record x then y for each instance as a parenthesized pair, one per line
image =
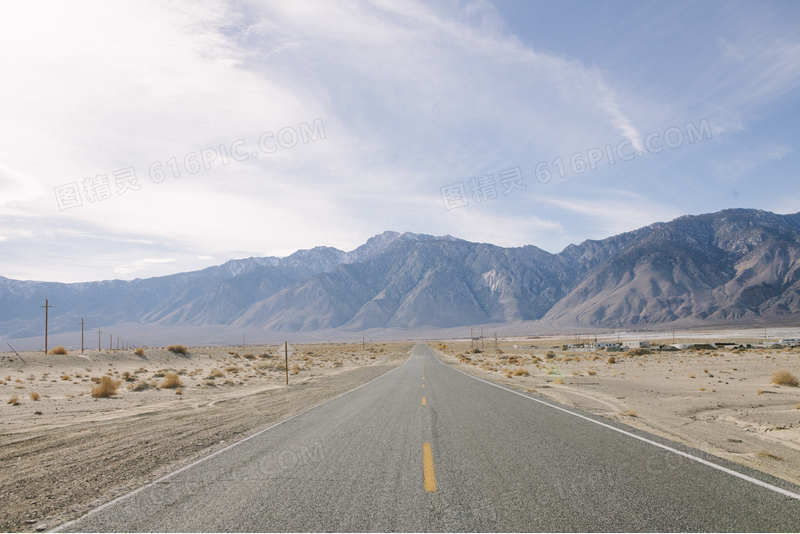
(636, 344)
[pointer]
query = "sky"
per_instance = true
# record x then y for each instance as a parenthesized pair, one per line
(142, 139)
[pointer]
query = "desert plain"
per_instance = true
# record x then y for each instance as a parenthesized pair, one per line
(80, 429)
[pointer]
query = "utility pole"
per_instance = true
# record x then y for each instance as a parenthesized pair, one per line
(117, 342)
(110, 341)
(481, 338)
(46, 314)
(81, 336)
(471, 339)
(244, 345)
(363, 341)
(98, 340)
(495, 340)
(286, 352)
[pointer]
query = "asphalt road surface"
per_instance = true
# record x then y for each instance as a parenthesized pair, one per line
(429, 448)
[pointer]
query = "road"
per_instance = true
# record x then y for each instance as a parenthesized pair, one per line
(472, 457)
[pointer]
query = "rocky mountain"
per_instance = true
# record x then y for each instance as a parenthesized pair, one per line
(732, 265)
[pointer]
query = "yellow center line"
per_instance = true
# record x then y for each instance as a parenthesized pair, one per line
(429, 475)
(423, 401)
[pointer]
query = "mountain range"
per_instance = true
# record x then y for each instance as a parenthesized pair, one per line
(736, 265)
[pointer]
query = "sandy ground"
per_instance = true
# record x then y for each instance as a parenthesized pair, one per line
(719, 401)
(64, 451)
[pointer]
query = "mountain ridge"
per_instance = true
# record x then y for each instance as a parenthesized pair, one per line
(730, 265)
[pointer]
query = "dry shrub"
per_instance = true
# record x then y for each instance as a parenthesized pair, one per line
(295, 369)
(591, 372)
(141, 385)
(216, 373)
(127, 376)
(171, 380)
(179, 391)
(550, 355)
(759, 391)
(178, 349)
(638, 352)
(65, 377)
(58, 350)
(95, 380)
(232, 369)
(576, 358)
(14, 400)
(520, 372)
(691, 375)
(630, 413)
(702, 389)
(508, 373)
(35, 396)
(612, 359)
(558, 380)
(106, 388)
(783, 377)
(249, 356)
(139, 352)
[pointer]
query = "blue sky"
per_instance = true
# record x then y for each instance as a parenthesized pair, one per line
(376, 116)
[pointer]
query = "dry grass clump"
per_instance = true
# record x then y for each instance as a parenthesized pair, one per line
(520, 372)
(65, 377)
(106, 388)
(216, 373)
(630, 413)
(249, 356)
(232, 369)
(295, 369)
(550, 355)
(591, 372)
(14, 400)
(58, 350)
(783, 377)
(141, 385)
(638, 352)
(126, 375)
(691, 375)
(139, 352)
(178, 349)
(171, 380)
(766, 454)
(612, 359)
(35, 396)
(179, 391)
(702, 389)
(558, 380)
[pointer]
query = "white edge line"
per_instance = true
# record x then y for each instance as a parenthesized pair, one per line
(782, 491)
(203, 459)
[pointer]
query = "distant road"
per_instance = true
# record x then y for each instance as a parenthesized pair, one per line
(471, 457)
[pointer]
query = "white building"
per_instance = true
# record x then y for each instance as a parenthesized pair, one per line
(636, 344)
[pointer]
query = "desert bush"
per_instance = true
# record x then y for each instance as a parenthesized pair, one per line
(14, 400)
(520, 372)
(232, 369)
(95, 379)
(612, 359)
(139, 352)
(178, 349)
(35, 396)
(638, 352)
(216, 373)
(784, 377)
(65, 377)
(558, 380)
(179, 391)
(249, 356)
(550, 355)
(141, 385)
(106, 388)
(171, 380)
(295, 369)
(58, 350)
(127, 376)
(630, 413)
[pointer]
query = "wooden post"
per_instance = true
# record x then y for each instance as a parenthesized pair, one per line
(363, 341)
(471, 339)
(481, 337)
(286, 352)
(81, 336)
(46, 314)
(110, 341)
(99, 348)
